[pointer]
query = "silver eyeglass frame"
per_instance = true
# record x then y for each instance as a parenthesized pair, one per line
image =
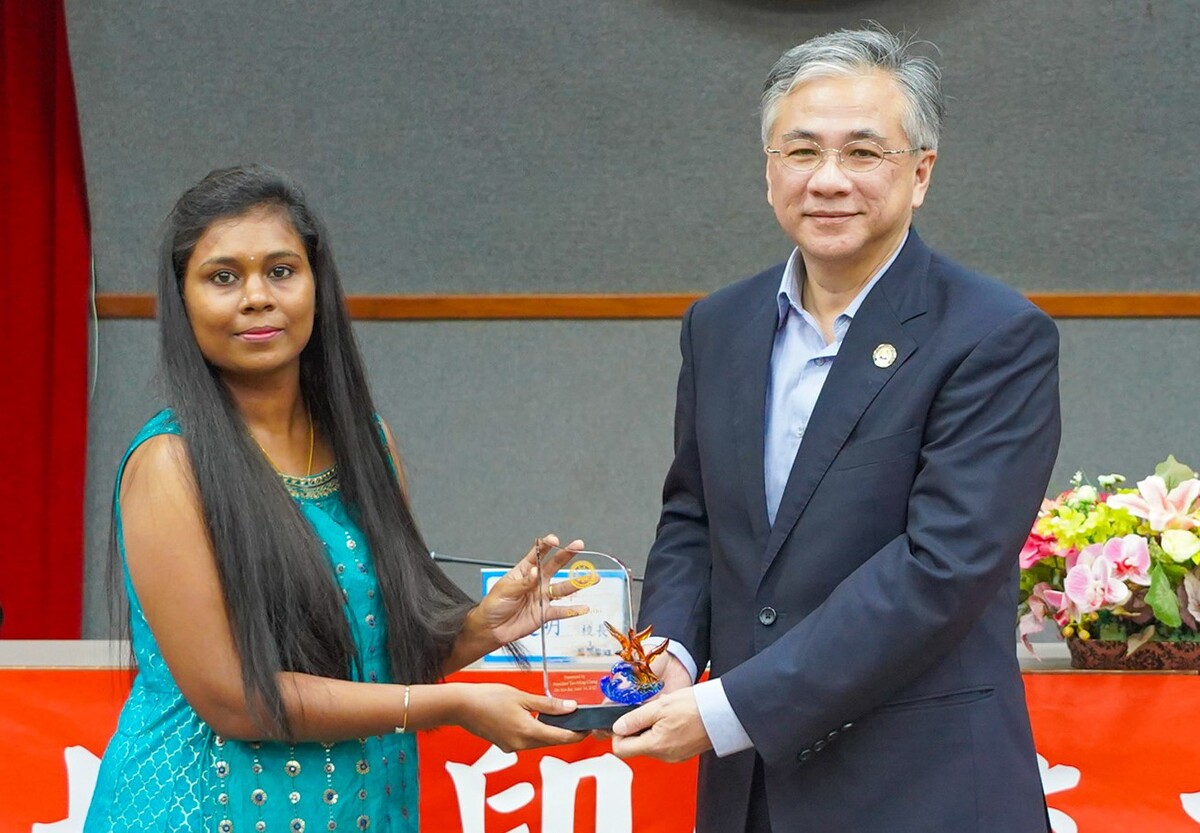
(883, 154)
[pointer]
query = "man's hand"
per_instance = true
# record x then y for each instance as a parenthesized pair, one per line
(672, 672)
(674, 676)
(668, 728)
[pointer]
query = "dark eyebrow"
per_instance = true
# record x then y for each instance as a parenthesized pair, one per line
(233, 261)
(219, 261)
(867, 133)
(854, 135)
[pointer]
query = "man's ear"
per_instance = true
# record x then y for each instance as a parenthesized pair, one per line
(922, 174)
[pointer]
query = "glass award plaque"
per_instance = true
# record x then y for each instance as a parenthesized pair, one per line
(595, 658)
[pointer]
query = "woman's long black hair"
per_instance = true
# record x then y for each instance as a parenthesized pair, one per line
(284, 606)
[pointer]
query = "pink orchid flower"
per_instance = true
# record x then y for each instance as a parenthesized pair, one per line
(1037, 547)
(1035, 620)
(1061, 606)
(1164, 510)
(1070, 556)
(1092, 586)
(1129, 556)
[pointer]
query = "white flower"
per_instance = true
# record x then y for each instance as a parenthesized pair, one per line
(1077, 478)
(1180, 544)
(1110, 479)
(1085, 494)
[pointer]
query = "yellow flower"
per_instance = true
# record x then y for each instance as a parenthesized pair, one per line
(1180, 544)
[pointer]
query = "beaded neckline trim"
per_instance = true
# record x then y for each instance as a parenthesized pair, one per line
(312, 487)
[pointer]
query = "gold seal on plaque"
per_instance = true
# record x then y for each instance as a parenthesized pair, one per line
(583, 574)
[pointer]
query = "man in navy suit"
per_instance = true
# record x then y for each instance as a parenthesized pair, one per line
(863, 436)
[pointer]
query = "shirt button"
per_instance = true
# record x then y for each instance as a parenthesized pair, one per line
(819, 362)
(800, 433)
(767, 616)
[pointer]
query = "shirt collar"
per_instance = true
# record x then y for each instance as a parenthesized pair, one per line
(793, 274)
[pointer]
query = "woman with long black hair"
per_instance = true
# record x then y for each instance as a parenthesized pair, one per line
(288, 623)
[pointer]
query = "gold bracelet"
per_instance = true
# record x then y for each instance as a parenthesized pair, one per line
(403, 727)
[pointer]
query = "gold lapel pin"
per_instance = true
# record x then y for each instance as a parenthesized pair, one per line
(884, 355)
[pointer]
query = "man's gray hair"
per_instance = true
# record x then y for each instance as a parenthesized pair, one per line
(855, 52)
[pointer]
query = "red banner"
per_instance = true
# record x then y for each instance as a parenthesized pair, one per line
(1117, 758)
(1121, 750)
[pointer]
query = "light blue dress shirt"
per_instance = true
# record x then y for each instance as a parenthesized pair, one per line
(800, 363)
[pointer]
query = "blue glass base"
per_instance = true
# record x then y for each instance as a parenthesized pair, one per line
(619, 686)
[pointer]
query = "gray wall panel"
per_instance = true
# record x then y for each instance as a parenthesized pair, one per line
(509, 430)
(1129, 397)
(124, 395)
(512, 430)
(612, 146)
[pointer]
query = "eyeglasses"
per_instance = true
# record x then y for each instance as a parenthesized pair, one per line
(857, 157)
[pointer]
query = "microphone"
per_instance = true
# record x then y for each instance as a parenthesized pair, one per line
(482, 562)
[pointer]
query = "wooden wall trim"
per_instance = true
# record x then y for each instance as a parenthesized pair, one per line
(656, 306)
(1118, 304)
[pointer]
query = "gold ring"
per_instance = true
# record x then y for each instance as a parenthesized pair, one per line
(550, 592)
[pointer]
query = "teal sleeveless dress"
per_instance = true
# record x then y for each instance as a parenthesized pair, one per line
(165, 769)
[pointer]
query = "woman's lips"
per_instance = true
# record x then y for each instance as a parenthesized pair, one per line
(260, 333)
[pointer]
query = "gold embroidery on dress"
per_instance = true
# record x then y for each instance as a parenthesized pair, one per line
(312, 487)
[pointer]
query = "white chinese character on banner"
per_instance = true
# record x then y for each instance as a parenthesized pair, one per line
(1191, 805)
(82, 768)
(560, 781)
(1056, 779)
(614, 793)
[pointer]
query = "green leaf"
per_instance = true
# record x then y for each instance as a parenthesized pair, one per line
(1161, 598)
(1173, 471)
(1174, 572)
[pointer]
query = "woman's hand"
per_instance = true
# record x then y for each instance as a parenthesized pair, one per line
(505, 716)
(519, 603)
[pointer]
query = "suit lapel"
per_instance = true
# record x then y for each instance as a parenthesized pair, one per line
(853, 382)
(753, 361)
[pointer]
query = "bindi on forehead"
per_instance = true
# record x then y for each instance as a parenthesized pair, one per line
(251, 237)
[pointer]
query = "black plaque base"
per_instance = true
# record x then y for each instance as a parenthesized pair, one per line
(587, 718)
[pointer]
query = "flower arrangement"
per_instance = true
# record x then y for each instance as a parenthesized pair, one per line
(1113, 563)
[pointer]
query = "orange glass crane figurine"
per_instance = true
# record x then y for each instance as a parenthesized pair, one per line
(631, 681)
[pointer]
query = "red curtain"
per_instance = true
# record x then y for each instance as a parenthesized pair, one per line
(44, 269)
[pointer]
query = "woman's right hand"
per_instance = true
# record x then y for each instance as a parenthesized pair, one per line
(505, 716)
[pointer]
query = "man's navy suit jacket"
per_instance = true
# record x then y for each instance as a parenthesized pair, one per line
(866, 640)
